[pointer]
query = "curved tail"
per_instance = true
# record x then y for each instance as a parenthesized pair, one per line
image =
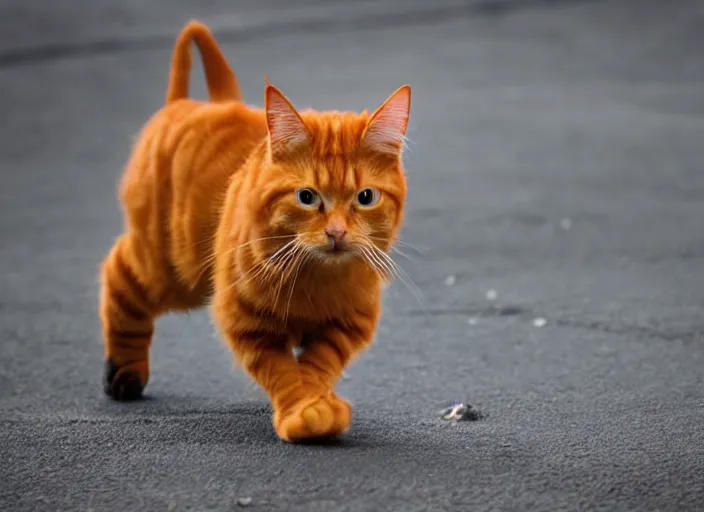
(221, 80)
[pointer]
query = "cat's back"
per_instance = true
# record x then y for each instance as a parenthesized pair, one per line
(189, 141)
(203, 146)
(177, 177)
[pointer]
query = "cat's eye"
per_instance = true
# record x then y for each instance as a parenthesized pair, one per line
(307, 197)
(368, 197)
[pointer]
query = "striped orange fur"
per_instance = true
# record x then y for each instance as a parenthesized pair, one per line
(281, 220)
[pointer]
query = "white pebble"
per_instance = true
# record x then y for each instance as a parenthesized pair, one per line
(450, 280)
(566, 223)
(540, 322)
(472, 321)
(244, 501)
(492, 295)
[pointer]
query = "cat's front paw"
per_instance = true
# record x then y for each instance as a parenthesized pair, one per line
(126, 382)
(315, 418)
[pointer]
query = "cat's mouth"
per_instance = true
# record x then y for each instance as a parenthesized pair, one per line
(337, 246)
(336, 252)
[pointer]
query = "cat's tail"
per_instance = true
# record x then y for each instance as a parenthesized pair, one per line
(221, 80)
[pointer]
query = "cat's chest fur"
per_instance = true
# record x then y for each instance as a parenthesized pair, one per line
(339, 297)
(319, 294)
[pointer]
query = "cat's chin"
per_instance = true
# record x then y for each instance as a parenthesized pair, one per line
(335, 256)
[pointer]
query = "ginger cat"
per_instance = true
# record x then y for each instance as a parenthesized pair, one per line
(282, 220)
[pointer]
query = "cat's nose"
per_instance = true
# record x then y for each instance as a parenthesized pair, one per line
(336, 233)
(335, 236)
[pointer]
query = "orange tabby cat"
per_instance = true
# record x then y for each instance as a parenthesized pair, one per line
(282, 219)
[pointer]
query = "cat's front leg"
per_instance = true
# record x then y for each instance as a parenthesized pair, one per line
(300, 412)
(324, 358)
(330, 350)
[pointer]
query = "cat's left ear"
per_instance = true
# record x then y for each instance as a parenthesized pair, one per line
(286, 128)
(386, 130)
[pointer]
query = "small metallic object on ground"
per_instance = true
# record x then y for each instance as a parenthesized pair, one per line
(460, 412)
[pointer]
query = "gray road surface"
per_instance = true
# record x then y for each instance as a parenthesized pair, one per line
(556, 159)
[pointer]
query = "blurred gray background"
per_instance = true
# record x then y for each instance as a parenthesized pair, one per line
(557, 195)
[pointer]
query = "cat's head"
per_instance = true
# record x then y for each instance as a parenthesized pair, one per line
(333, 182)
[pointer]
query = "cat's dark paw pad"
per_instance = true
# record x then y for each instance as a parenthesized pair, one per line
(124, 382)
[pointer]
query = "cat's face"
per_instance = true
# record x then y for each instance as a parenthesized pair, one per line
(334, 183)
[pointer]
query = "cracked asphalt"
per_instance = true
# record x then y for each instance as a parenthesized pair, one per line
(556, 209)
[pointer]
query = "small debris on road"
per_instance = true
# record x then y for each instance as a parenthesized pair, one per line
(244, 501)
(450, 280)
(566, 223)
(540, 322)
(492, 295)
(460, 412)
(472, 321)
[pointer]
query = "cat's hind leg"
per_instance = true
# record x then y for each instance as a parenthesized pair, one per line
(127, 315)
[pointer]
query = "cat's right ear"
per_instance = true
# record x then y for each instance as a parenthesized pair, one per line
(287, 130)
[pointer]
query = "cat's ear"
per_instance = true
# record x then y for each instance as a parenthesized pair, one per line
(286, 128)
(386, 129)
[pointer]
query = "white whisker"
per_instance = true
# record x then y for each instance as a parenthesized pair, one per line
(265, 265)
(300, 263)
(261, 268)
(399, 242)
(286, 269)
(249, 242)
(402, 276)
(381, 264)
(400, 252)
(365, 252)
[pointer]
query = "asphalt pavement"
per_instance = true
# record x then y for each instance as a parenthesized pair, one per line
(556, 214)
